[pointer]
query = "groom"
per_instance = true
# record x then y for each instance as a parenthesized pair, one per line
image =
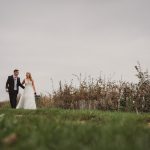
(12, 87)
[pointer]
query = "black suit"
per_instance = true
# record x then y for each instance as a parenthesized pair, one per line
(13, 93)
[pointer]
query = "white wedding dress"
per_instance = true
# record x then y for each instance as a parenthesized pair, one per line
(27, 100)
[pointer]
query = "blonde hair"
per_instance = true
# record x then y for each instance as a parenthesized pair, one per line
(30, 76)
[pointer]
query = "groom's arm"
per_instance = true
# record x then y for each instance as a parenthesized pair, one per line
(7, 84)
(21, 85)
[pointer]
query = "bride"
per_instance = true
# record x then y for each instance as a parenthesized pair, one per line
(27, 100)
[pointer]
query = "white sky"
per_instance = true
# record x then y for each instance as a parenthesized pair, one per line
(55, 39)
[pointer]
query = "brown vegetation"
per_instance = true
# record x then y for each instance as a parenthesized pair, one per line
(105, 95)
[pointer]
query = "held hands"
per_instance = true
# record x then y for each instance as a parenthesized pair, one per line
(35, 93)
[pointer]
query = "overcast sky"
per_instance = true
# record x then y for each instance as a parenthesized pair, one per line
(58, 38)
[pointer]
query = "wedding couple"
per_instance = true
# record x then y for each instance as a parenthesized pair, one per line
(27, 100)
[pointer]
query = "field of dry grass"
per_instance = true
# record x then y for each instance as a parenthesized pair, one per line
(104, 95)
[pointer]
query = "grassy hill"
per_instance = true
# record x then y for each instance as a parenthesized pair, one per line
(58, 129)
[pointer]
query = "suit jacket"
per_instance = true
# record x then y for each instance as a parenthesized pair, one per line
(10, 84)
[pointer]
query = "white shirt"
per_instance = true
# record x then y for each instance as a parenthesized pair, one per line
(15, 83)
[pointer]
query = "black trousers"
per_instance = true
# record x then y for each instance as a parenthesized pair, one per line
(13, 98)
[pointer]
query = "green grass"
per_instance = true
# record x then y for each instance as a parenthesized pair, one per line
(56, 129)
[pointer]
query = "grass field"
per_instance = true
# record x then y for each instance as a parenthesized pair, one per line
(58, 129)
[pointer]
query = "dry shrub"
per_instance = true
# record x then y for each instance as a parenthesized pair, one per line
(44, 101)
(105, 95)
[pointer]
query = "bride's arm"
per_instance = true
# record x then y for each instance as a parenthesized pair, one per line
(33, 86)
